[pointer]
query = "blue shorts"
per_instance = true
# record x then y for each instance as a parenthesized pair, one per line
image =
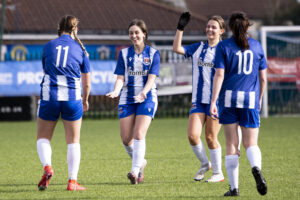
(69, 110)
(248, 118)
(145, 108)
(200, 108)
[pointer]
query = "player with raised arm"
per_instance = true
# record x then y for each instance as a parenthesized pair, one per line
(203, 57)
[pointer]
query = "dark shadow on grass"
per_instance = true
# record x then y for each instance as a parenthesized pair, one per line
(28, 184)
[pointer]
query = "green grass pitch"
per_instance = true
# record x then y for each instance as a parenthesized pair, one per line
(170, 170)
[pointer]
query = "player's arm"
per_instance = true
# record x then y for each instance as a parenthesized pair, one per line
(263, 84)
(217, 83)
(86, 88)
(183, 21)
(177, 46)
(117, 88)
(149, 84)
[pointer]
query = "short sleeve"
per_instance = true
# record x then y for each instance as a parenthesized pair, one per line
(155, 64)
(220, 57)
(263, 62)
(43, 60)
(120, 68)
(85, 67)
(190, 49)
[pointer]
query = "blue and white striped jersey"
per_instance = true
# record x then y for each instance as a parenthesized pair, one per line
(203, 57)
(135, 69)
(241, 85)
(63, 59)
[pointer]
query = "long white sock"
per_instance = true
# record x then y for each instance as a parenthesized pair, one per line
(44, 150)
(232, 167)
(73, 157)
(199, 151)
(139, 150)
(254, 156)
(239, 130)
(129, 149)
(216, 160)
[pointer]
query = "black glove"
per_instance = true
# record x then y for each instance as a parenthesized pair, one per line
(183, 20)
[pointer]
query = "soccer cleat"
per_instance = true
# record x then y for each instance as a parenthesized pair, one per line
(261, 183)
(141, 173)
(132, 177)
(203, 169)
(74, 186)
(234, 192)
(44, 182)
(216, 178)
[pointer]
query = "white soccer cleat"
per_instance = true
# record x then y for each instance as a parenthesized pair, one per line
(216, 178)
(203, 169)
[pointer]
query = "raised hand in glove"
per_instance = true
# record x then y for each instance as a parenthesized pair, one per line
(183, 20)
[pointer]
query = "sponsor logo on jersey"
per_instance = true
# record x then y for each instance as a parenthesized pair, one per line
(137, 73)
(205, 64)
(146, 61)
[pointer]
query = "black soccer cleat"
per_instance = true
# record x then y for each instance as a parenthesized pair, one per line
(234, 192)
(261, 183)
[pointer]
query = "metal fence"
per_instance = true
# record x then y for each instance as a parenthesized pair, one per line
(102, 107)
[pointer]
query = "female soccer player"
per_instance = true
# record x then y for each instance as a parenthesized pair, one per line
(65, 64)
(240, 80)
(203, 56)
(136, 70)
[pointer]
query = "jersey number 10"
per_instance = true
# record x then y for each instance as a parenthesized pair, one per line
(243, 58)
(66, 49)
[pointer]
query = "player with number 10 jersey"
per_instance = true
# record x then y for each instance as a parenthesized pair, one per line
(240, 88)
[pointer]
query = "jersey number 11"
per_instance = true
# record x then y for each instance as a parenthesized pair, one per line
(66, 49)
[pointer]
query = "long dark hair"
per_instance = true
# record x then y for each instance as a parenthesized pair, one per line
(239, 24)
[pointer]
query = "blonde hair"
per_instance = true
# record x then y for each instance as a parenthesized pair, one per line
(68, 24)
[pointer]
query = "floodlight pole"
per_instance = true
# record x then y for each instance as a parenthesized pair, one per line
(2, 26)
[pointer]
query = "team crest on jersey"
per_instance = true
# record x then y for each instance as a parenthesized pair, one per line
(146, 61)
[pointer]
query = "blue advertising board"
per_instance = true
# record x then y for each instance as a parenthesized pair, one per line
(24, 78)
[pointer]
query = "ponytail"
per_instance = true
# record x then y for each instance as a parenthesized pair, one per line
(81, 44)
(239, 24)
